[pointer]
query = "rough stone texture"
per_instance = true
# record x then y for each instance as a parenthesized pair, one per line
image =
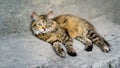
(20, 49)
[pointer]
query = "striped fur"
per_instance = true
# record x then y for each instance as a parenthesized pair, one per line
(63, 29)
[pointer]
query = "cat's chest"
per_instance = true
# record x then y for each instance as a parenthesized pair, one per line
(51, 36)
(44, 36)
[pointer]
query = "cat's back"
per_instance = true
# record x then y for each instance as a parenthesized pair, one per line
(72, 21)
(65, 17)
(73, 24)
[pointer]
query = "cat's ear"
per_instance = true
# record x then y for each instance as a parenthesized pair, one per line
(50, 15)
(34, 15)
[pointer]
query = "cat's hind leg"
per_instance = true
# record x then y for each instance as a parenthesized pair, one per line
(58, 48)
(99, 41)
(88, 43)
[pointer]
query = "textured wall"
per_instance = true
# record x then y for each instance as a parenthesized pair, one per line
(20, 49)
(15, 14)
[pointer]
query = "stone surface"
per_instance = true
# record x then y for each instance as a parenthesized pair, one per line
(20, 49)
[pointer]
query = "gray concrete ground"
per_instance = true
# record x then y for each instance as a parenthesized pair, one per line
(20, 49)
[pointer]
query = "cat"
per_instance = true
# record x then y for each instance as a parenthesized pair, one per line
(63, 29)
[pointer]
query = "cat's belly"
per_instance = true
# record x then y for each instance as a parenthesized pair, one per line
(73, 33)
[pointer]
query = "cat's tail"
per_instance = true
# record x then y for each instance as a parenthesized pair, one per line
(99, 41)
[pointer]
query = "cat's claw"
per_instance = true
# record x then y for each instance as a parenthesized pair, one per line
(61, 53)
(106, 49)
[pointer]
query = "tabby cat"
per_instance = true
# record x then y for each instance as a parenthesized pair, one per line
(63, 29)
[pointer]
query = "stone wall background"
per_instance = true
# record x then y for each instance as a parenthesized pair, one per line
(20, 49)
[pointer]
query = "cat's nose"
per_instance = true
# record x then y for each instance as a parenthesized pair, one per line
(44, 28)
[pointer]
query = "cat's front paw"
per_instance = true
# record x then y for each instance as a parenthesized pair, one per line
(61, 53)
(71, 52)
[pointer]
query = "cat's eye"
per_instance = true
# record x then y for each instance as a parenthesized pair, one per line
(39, 24)
(49, 24)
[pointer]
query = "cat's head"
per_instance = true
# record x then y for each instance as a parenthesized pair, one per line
(43, 23)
